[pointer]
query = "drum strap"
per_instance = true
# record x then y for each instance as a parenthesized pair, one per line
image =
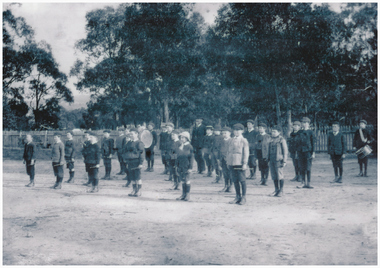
(362, 136)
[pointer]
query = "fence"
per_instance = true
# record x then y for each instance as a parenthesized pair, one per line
(44, 139)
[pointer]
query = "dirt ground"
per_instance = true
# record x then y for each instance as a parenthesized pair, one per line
(333, 224)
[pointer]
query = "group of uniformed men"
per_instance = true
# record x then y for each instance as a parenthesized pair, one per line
(228, 152)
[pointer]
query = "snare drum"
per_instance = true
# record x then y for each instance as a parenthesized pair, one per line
(363, 152)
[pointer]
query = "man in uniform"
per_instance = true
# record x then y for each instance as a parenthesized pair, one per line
(163, 140)
(293, 143)
(58, 157)
(107, 148)
(198, 134)
(118, 147)
(218, 140)
(149, 152)
(250, 135)
(208, 143)
(69, 155)
(167, 147)
(306, 152)
(237, 160)
(85, 145)
(134, 157)
(184, 163)
(226, 133)
(261, 150)
(336, 145)
(29, 158)
(93, 161)
(172, 158)
(362, 138)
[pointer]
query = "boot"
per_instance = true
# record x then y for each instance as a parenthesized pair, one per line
(134, 190)
(187, 195)
(170, 178)
(94, 189)
(302, 182)
(295, 178)
(228, 188)
(183, 192)
(176, 186)
(30, 184)
(71, 179)
(242, 200)
(58, 186)
(138, 190)
(280, 191)
(236, 200)
(217, 179)
(127, 184)
(339, 180)
(275, 188)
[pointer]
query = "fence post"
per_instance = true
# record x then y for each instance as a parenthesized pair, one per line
(45, 142)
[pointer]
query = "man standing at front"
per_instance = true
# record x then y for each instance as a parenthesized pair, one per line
(107, 148)
(69, 155)
(118, 147)
(30, 158)
(262, 146)
(237, 160)
(250, 135)
(58, 159)
(197, 136)
(306, 152)
(336, 145)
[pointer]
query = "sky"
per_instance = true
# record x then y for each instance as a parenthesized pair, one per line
(61, 25)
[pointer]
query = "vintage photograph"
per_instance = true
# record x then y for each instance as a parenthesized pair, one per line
(190, 133)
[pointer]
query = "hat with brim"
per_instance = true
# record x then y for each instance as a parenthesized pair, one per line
(261, 124)
(238, 127)
(185, 134)
(226, 129)
(306, 120)
(251, 121)
(363, 121)
(296, 123)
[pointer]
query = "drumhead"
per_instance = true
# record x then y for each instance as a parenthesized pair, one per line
(146, 137)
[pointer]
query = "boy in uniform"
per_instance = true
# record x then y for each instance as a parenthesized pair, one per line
(336, 145)
(199, 131)
(69, 156)
(218, 139)
(167, 147)
(185, 158)
(250, 135)
(85, 145)
(277, 156)
(126, 141)
(306, 152)
(149, 152)
(362, 138)
(57, 157)
(163, 140)
(134, 157)
(237, 160)
(93, 161)
(261, 151)
(107, 148)
(293, 143)
(29, 158)
(226, 133)
(172, 158)
(118, 147)
(208, 143)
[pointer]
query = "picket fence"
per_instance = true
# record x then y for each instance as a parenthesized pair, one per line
(44, 139)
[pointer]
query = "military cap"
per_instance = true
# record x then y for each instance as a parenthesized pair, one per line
(67, 132)
(250, 121)
(217, 128)
(107, 131)
(209, 127)
(199, 117)
(335, 123)
(151, 123)
(57, 134)
(134, 130)
(176, 132)
(261, 124)
(238, 126)
(363, 121)
(306, 119)
(185, 134)
(227, 129)
(170, 125)
(298, 123)
(121, 128)
(278, 128)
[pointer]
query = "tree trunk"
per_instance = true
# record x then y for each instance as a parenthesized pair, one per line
(166, 110)
(278, 111)
(289, 116)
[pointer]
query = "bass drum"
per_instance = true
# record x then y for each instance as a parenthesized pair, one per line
(146, 137)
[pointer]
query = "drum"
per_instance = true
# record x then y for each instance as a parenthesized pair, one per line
(146, 137)
(363, 152)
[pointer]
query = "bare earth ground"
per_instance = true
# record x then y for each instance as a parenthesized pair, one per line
(331, 224)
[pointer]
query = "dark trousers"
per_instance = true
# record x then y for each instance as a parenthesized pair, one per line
(238, 177)
(173, 170)
(305, 162)
(164, 158)
(184, 175)
(93, 174)
(252, 164)
(226, 172)
(363, 161)
(337, 162)
(149, 157)
(134, 173)
(198, 156)
(108, 166)
(58, 171)
(30, 169)
(263, 166)
(296, 166)
(120, 159)
(208, 159)
(216, 164)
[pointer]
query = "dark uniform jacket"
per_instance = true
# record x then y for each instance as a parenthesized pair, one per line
(224, 148)
(93, 154)
(218, 140)
(168, 142)
(357, 141)
(278, 150)
(306, 141)
(262, 143)
(58, 152)
(154, 142)
(197, 136)
(251, 138)
(336, 144)
(185, 157)
(85, 146)
(69, 150)
(119, 142)
(174, 149)
(208, 143)
(107, 147)
(293, 143)
(133, 150)
(163, 140)
(29, 150)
